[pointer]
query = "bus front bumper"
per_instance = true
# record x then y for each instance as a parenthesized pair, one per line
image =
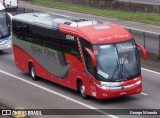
(106, 92)
(7, 45)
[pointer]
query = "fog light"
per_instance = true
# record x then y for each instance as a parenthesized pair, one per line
(138, 90)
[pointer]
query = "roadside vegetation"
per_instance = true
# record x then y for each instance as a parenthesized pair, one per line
(149, 18)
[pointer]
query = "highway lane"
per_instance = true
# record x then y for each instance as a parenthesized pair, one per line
(17, 93)
(20, 93)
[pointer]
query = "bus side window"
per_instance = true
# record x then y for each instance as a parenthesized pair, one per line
(72, 48)
(87, 58)
(35, 35)
(18, 29)
(56, 47)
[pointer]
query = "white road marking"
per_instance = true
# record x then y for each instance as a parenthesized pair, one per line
(144, 93)
(150, 71)
(2, 107)
(112, 116)
(56, 93)
(68, 98)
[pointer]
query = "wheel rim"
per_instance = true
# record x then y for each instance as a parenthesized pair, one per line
(82, 90)
(32, 72)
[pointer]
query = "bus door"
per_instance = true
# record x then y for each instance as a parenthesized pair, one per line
(90, 70)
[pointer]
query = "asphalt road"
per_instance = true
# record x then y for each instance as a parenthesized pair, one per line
(18, 90)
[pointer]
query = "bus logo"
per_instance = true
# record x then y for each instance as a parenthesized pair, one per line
(122, 88)
(69, 37)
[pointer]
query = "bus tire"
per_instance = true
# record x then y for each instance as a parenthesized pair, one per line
(82, 90)
(32, 72)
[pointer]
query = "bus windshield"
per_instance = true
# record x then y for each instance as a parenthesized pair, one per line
(117, 62)
(4, 28)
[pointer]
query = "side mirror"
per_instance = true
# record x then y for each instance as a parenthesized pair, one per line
(93, 57)
(144, 52)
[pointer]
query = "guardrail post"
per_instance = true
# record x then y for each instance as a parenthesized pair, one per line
(24, 10)
(32, 10)
(144, 39)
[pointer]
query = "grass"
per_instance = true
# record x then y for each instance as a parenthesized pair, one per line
(149, 18)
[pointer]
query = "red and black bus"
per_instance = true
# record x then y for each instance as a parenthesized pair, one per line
(96, 58)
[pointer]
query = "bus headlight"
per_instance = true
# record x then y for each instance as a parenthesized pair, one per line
(104, 87)
(100, 86)
(138, 82)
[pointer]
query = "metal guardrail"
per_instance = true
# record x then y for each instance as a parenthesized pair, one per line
(20, 10)
(144, 32)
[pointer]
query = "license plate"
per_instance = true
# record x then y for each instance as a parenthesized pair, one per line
(123, 93)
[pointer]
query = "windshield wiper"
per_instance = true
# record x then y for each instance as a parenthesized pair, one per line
(114, 72)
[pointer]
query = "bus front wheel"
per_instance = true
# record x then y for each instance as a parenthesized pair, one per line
(32, 72)
(82, 91)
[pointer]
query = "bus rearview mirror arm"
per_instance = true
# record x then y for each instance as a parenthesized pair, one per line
(93, 57)
(10, 16)
(144, 52)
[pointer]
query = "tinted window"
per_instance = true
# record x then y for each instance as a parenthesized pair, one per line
(46, 37)
(4, 24)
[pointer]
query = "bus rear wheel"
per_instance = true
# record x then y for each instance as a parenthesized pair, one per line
(82, 91)
(32, 72)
